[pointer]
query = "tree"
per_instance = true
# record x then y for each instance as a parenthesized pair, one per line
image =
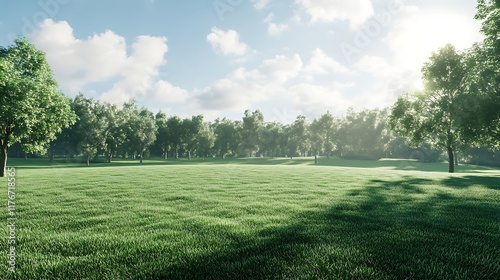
(322, 131)
(140, 128)
(205, 140)
(298, 136)
(316, 138)
(270, 138)
(484, 78)
(162, 138)
(253, 123)
(32, 110)
(91, 129)
(488, 12)
(189, 133)
(115, 136)
(482, 98)
(174, 132)
(144, 131)
(363, 134)
(227, 136)
(436, 114)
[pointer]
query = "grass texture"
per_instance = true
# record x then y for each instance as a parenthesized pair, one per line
(253, 219)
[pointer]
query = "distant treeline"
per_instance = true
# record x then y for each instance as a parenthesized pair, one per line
(105, 130)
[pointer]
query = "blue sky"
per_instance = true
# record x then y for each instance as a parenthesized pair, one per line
(220, 57)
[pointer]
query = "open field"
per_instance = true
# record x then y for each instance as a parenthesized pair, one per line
(254, 219)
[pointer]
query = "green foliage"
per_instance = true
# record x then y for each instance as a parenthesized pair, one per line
(437, 114)
(363, 134)
(488, 12)
(92, 128)
(205, 140)
(173, 135)
(253, 123)
(322, 134)
(162, 138)
(32, 110)
(270, 138)
(298, 137)
(228, 136)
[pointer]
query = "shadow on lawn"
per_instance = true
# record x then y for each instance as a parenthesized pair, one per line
(469, 181)
(386, 230)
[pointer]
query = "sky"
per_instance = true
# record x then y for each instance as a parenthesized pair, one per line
(220, 57)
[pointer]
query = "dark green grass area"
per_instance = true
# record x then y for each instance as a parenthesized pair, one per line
(293, 220)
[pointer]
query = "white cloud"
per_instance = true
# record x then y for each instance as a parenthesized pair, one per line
(275, 29)
(227, 42)
(281, 80)
(312, 99)
(103, 57)
(141, 70)
(321, 64)
(354, 11)
(260, 4)
(78, 62)
(280, 69)
(168, 94)
(243, 87)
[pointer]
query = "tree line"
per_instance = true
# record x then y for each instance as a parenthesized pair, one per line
(104, 130)
(132, 131)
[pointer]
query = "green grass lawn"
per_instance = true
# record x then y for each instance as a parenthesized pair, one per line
(254, 219)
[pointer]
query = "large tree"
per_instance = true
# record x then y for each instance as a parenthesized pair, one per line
(32, 110)
(435, 115)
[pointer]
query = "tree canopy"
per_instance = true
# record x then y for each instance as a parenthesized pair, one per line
(32, 110)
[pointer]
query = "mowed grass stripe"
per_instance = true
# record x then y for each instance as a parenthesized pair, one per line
(231, 221)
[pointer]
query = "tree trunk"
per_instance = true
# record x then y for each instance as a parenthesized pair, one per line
(451, 161)
(165, 155)
(141, 156)
(3, 158)
(88, 160)
(110, 156)
(176, 154)
(51, 153)
(315, 159)
(189, 155)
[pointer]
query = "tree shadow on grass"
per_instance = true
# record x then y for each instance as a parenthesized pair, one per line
(489, 182)
(386, 230)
